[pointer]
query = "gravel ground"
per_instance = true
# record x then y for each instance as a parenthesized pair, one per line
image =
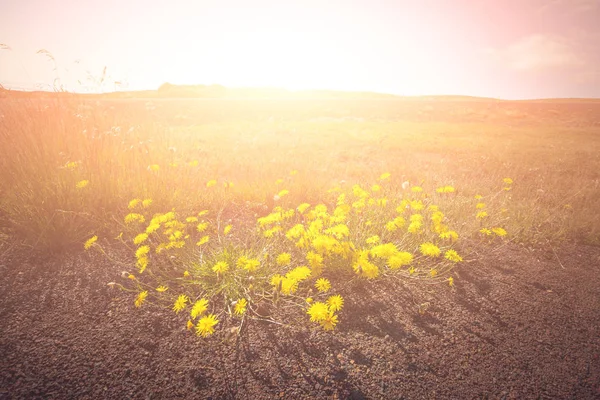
(518, 324)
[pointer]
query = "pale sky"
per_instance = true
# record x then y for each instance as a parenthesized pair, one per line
(511, 49)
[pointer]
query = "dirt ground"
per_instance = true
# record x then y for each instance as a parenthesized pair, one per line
(519, 324)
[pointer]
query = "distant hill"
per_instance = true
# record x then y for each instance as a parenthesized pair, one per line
(168, 90)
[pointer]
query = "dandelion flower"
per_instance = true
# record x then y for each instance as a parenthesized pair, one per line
(293, 172)
(199, 308)
(133, 217)
(485, 231)
(131, 276)
(499, 231)
(240, 306)
(141, 298)
(186, 274)
(142, 251)
(162, 288)
(251, 265)
(400, 259)
(284, 259)
(140, 238)
(329, 322)
(429, 249)
(507, 181)
(283, 192)
(384, 176)
(433, 273)
(220, 267)
(211, 183)
(191, 219)
(335, 303)
(453, 256)
(303, 207)
(478, 197)
(203, 240)
(450, 281)
(142, 264)
(375, 188)
(180, 303)
(90, 242)
(146, 203)
(373, 239)
(323, 284)
(227, 229)
(201, 227)
(154, 167)
(82, 184)
(481, 215)
(480, 206)
(318, 311)
(299, 273)
(416, 189)
(133, 203)
(452, 235)
(205, 326)
(189, 325)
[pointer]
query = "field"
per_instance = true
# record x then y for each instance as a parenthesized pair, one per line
(427, 247)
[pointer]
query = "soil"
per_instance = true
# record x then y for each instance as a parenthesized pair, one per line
(518, 324)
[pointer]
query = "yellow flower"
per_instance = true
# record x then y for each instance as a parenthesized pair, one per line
(186, 274)
(140, 238)
(251, 265)
(453, 256)
(499, 231)
(146, 203)
(400, 259)
(221, 267)
(227, 229)
(323, 284)
(478, 197)
(141, 298)
(211, 183)
(284, 259)
(373, 240)
(375, 188)
(133, 217)
(133, 203)
(193, 163)
(452, 235)
(485, 231)
(507, 181)
(189, 325)
(89, 243)
(154, 167)
(303, 207)
(329, 322)
(142, 264)
(153, 227)
(433, 273)
(450, 281)
(416, 189)
(180, 303)
(71, 165)
(293, 172)
(384, 176)
(205, 326)
(203, 240)
(318, 311)
(480, 206)
(191, 219)
(335, 303)
(240, 306)
(299, 273)
(131, 276)
(315, 260)
(142, 251)
(309, 300)
(201, 227)
(445, 189)
(429, 249)
(481, 215)
(162, 288)
(283, 193)
(385, 250)
(82, 184)
(199, 308)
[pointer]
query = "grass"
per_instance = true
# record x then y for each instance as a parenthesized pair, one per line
(206, 196)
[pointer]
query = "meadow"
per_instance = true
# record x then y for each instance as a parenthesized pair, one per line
(250, 202)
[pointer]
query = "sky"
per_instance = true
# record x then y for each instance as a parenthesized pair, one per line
(509, 49)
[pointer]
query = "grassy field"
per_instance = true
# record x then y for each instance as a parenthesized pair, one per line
(223, 204)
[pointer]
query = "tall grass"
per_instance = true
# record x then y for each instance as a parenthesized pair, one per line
(168, 150)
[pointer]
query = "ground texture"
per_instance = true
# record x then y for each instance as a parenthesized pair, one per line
(518, 324)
